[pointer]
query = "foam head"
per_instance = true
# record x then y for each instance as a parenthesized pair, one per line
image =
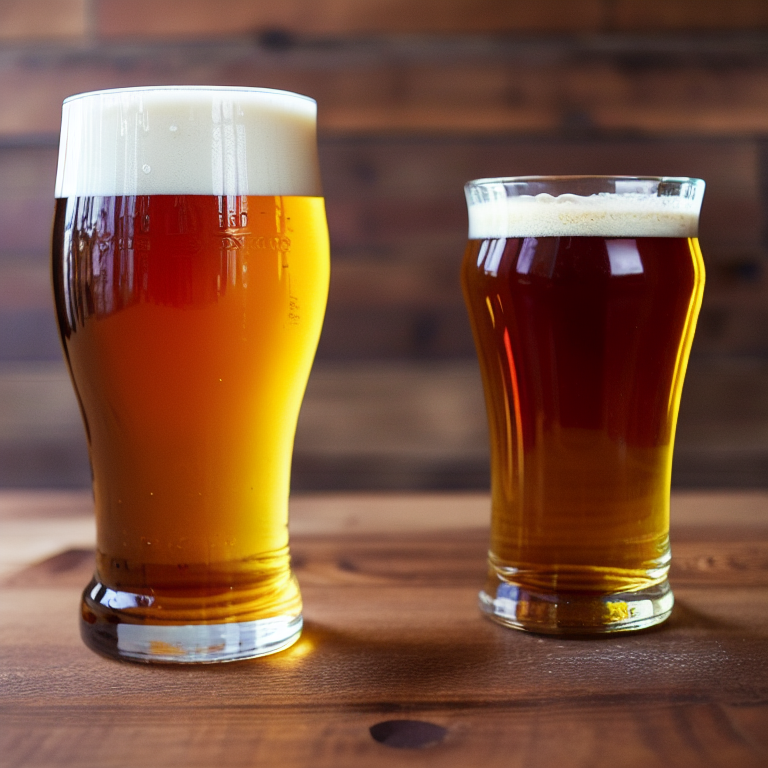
(188, 140)
(584, 206)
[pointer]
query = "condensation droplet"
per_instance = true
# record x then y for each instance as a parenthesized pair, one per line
(174, 128)
(145, 168)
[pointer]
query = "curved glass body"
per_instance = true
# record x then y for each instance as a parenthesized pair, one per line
(189, 322)
(583, 339)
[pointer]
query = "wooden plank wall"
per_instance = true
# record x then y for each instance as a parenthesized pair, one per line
(415, 98)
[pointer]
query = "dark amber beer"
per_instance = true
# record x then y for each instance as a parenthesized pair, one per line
(583, 296)
(190, 306)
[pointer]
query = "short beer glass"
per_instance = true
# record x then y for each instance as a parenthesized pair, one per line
(583, 294)
(190, 272)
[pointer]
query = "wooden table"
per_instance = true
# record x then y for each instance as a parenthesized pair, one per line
(393, 633)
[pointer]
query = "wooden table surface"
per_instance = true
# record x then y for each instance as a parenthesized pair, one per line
(393, 633)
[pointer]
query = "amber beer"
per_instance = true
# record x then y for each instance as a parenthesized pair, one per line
(583, 308)
(190, 307)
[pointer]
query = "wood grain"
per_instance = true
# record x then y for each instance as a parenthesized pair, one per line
(393, 632)
(173, 18)
(415, 98)
(656, 15)
(43, 19)
(177, 18)
(587, 86)
(36, 20)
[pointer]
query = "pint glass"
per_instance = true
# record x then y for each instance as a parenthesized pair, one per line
(583, 295)
(190, 272)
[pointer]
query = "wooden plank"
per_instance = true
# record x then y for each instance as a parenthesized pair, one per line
(199, 18)
(380, 625)
(657, 15)
(27, 505)
(35, 20)
(732, 396)
(374, 513)
(27, 172)
(535, 737)
(408, 558)
(65, 519)
(23, 286)
(582, 87)
(203, 18)
(393, 632)
(728, 328)
(396, 425)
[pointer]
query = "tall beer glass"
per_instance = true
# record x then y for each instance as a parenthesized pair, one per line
(190, 271)
(583, 295)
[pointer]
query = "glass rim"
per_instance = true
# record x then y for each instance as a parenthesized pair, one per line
(582, 177)
(200, 88)
(611, 206)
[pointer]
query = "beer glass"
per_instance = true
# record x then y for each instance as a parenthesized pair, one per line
(190, 272)
(583, 294)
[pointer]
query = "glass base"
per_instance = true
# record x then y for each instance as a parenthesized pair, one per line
(575, 613)
(111, 632)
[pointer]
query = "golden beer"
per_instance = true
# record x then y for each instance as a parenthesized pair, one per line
(190, 322)
(583, 319)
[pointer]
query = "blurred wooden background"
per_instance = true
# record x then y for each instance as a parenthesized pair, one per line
(415, 97)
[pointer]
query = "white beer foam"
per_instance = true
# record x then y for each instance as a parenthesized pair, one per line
(602, 215)
(188, 140)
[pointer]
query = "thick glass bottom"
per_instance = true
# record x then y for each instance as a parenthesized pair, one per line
(108, 627)
(575, 613)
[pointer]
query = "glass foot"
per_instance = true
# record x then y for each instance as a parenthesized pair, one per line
(107, 628)
(575, 613)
